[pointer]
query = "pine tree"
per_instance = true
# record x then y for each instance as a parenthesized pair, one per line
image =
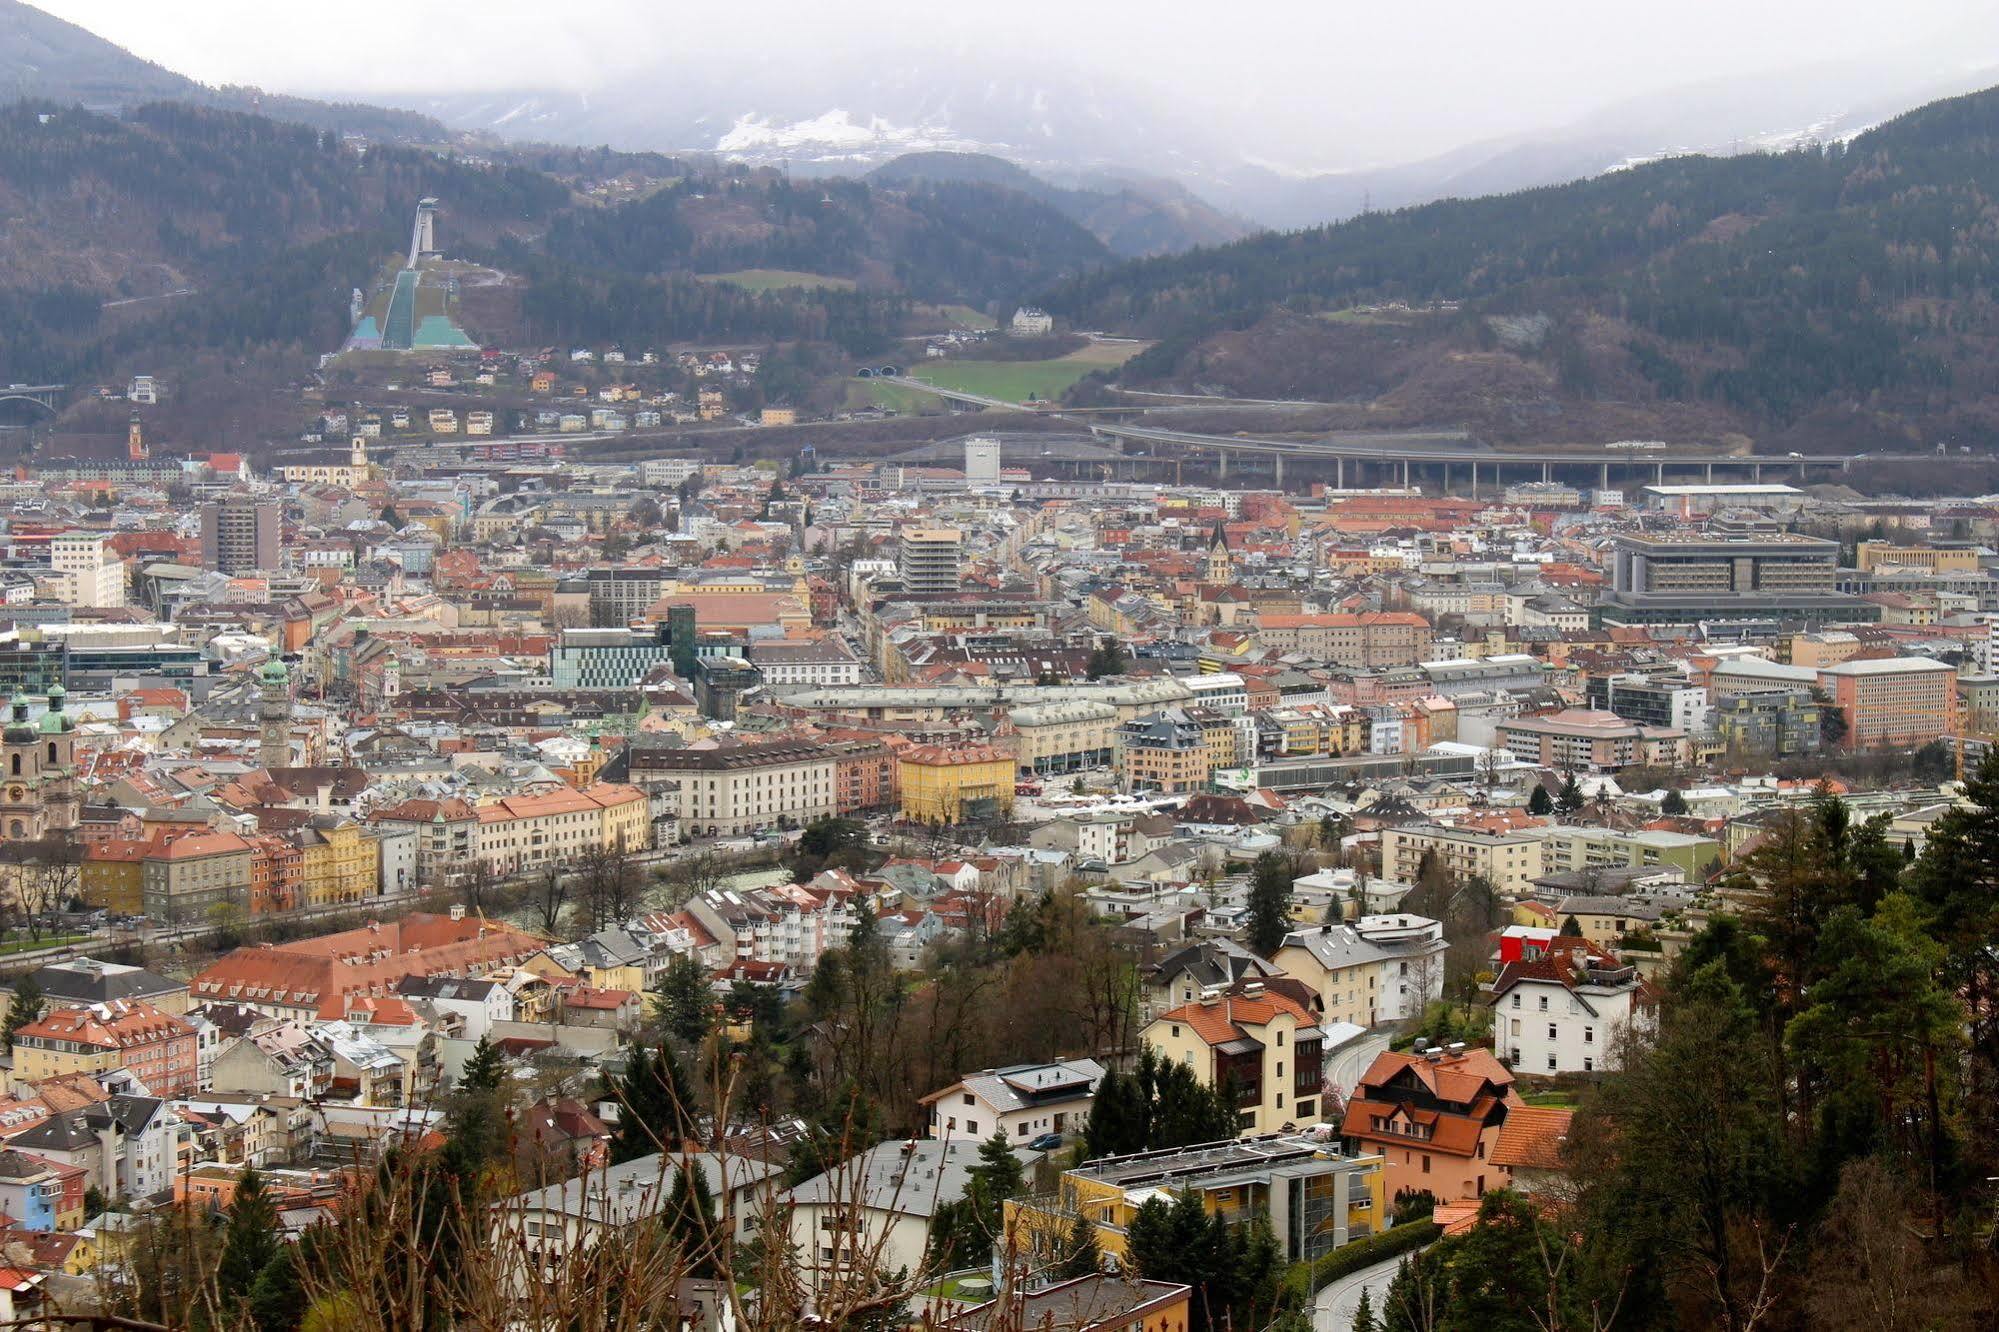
(250, 1240)
(27, 1007)
(483, 1070)
(655, 1105)
(689, 1218)
(1674, 803)
(1269, 903)
(1539, 802)
(686, 1003)
(1572, 927)
(1363, 1314)
(1570, 801)
(1083, 1256)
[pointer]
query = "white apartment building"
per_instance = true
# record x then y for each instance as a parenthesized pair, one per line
(92, 577)
(1023, 1101)
(1565, 1010)
(727, 792)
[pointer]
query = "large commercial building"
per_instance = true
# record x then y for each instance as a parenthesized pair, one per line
(1672, 577)
(92, 578)
(615, 658)
(928, 558)
(1578, 738)
(726, 792)
(1374, 638)
(239, 534)
(1900, 701)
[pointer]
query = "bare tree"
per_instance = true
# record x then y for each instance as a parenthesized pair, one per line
(551, 896)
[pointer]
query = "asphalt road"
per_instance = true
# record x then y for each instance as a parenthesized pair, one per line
(1334, 1308)
(1350, 1061)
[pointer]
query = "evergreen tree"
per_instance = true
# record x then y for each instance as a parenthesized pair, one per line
(483, 1071)
(1082, 1256)
(1572, 926)
(688, 1216)
(1363, 1314)
(1539, 802)
(1269, 903)
(997, 1177)
(1673, 804)
(1570, 800)
(250, 1239)
(686, 1003)
(27, 1007)
(655, 1105)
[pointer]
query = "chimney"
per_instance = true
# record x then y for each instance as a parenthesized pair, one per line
(458, 911)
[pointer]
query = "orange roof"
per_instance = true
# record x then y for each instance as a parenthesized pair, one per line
(1224, 1019)
(121, 1024)
(194, 846)
(1531, 1138)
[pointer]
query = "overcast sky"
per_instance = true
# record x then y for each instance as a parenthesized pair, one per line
(1403, 79)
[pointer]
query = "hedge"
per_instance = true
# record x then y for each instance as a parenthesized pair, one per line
(1308, 1279)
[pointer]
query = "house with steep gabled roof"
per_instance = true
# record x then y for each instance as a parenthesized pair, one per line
(1564, 1005)
(1435, 1117)
(1255, 1039)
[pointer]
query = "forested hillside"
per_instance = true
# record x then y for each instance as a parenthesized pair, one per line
(1131, 218)
(1759, 293)
(269, 225)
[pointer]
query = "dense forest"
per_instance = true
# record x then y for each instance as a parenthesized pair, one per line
(1856, 277)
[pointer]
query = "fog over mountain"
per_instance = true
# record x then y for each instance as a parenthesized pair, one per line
(1287, 113)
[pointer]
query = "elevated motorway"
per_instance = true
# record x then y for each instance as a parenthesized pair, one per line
(1391, 451)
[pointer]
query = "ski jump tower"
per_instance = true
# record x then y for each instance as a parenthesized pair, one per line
(423, 235)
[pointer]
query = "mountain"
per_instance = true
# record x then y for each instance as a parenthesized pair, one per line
(1821, 103)
(44, 58)
(175, 228)
(1839, 295)
(1133, 217)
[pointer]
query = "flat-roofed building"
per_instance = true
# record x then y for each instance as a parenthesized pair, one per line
(1905, 702)
(1685, 576)
(928, 558)
(1316, 1195)
(1509, 859)
(1577, 738)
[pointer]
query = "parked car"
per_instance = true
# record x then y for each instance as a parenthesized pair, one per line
(1047, 1142)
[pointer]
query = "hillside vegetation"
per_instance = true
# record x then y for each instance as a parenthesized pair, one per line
(269, 224)
(1845, 292)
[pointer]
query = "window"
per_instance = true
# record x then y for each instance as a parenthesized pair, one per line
(1551, 1061)
(1516, 998)
(1176, 1030)
(1280, 1045)
(1589, 1035)
(1544, 1003)
(1426, 1164)
(1551, 1032)
(969, 1100)
(1589, 1064)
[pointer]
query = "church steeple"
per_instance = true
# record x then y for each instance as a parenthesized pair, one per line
(1220, 561)
(135, 440)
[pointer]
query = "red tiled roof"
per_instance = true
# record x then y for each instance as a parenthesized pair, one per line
(1531, 1138)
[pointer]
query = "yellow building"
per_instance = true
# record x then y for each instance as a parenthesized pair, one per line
(955, 783)
(110, 879)
(1316, 1198)
(337, 863)
(1871, 555)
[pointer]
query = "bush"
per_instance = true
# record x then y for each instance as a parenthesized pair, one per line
(1308, 1279)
